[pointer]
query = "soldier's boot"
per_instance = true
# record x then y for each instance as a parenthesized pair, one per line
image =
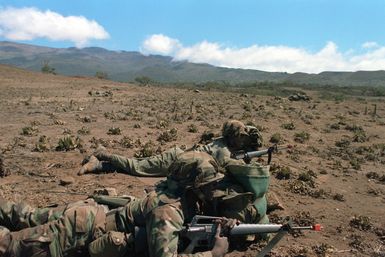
(93, 165)
(102, 154)
(5, 240)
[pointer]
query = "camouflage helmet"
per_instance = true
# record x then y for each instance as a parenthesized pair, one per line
(238, 134)
(255, 137)
(193, 170)
(233, 128)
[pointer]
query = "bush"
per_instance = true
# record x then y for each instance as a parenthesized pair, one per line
(168, 135)
(84, 131)
(343, 143)
(361, 222)
(42, 145)
(192, 128)
(301, 137)
(288, 126)
(114, 131)
(148, 150)
(275, 138)
(126, 142)
(283, 173)
(143, 80)
(46, 68)
(360, 136)
(68, 143)
(101, 75)
(29, 131)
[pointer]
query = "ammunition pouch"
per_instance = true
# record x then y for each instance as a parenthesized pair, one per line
(112, 244)
(111, 221)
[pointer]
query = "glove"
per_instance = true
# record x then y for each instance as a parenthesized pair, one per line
(221, 244)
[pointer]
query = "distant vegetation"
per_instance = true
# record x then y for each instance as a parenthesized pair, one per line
(46, 68)
(284, 89)
(101, 75)
(144, 80)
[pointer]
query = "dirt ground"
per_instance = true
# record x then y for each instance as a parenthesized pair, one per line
(334, 176)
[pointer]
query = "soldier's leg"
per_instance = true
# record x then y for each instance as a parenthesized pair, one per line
(155, 166)
(94, 165)
(30, 242)
(17, 216)
(70, 234)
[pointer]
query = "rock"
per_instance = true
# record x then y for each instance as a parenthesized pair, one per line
(106, 191)
(299, 97)
(66, 181)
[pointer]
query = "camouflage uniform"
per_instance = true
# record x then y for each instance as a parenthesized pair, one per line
(86, 226)
(68, 235)
(157, 166)
(17, 216)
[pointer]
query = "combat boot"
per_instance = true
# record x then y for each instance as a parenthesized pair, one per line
(102, 154)
(93, 165)
(5, 240)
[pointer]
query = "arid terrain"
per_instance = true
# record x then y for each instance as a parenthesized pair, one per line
(335, 174)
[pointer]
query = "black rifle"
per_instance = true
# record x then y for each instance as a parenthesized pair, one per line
(201, 232)
(247, 156)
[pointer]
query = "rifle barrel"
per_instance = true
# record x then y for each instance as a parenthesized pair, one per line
(250, 229)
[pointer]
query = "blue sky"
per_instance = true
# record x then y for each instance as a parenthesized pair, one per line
(273, 35)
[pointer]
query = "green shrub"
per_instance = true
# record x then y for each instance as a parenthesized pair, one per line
(275, 138)
(301, 137)
(343, 143)
(361, 222)
(42, 145)
(168, 135)
(101, 75)
(147, 150)
(114, 131)
(68, 143)
(84, 131)
(283, 173)
(288, 126)
(192, 128)
(29, 131)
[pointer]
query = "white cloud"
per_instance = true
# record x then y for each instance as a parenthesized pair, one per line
(270, 58)
(160, 44)
(370, 44)
(31, 23)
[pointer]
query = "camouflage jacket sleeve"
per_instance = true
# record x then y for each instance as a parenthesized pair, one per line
(163, 226)
(217, 149)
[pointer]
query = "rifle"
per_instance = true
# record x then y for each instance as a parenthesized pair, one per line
(247, 156)
(202, 229)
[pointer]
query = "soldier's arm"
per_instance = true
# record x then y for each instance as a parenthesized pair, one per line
(163, 226)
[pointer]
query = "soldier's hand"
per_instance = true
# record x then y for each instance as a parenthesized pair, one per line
(221, 244)
(227, 224)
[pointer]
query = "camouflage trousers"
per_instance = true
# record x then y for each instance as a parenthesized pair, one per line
(78, 229)
(154, 166)
(67, 236)
(17, 216)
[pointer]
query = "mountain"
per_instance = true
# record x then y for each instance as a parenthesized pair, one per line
(126, 66)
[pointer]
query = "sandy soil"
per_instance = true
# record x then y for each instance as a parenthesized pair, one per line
(335, 177)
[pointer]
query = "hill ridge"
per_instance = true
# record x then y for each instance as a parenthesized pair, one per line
(127, 65)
